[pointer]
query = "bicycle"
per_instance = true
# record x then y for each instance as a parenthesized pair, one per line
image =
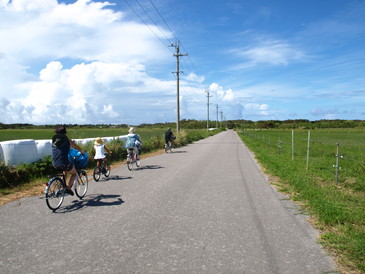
(56, 189)
(132, 158)
(104, 168)
(168, 146)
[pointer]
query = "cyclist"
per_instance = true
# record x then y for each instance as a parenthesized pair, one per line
(133, 140)
(169, 137)
(99, 147)
(60, 148)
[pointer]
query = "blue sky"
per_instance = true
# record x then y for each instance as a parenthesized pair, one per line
(110, 62)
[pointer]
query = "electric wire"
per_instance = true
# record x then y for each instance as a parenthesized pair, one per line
(144, 22)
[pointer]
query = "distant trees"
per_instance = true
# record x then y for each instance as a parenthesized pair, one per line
(199, 124)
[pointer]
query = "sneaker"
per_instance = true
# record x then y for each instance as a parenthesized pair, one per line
(69, 191)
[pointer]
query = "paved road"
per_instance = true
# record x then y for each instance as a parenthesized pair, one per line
(206, 208)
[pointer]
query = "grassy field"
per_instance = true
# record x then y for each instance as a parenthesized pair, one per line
(336, 206)
(76, 133)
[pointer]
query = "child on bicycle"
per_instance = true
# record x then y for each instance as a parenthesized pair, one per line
(133, 140)
(100, 147)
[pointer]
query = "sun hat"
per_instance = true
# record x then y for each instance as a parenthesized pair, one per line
(98, 141)
(131, 130)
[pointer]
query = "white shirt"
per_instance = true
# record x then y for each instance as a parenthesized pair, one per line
(99, 152)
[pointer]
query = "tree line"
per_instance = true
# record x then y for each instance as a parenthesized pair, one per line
(232, 124)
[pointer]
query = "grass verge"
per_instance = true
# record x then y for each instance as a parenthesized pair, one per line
(338, 211)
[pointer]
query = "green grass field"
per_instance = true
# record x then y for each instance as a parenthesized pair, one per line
(337, 207)
(76, 133)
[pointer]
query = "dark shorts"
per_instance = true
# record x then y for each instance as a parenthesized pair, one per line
(67, 167)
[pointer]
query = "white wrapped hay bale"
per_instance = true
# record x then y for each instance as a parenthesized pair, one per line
(19, 151)
(123, 137)
(83, 141)
(44, 148)
(108, 139)
(1, 153)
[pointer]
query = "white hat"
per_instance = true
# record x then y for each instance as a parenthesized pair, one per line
(131, 130)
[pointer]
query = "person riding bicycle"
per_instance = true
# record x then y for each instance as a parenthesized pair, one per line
(99, 147)
(134, 141)
(169, 137)
(60, 148)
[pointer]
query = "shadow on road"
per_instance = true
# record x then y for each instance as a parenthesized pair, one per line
(92, 200)
(116, 177)
(148, 167)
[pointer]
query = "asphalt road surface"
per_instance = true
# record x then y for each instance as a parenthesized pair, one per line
(205, 208)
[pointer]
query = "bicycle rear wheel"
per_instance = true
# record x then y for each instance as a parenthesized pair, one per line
(97, 173)
(129, 162)
(107, 170)
(138, 163)
(82, 184)
(55, 193)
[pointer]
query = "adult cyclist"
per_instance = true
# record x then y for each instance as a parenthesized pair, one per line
(60, 148)
(133, 140)
(169, 137)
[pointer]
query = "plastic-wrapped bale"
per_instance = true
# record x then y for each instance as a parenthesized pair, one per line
(17, 152)
(44, 148)
(87, 140)
(123, 137)
(108, 139)
(1, 153)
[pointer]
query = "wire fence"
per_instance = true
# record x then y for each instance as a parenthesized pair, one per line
(333, 154)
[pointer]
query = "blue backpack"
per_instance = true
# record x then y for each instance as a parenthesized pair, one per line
(77, 159)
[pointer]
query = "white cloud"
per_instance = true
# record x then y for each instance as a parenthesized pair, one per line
(221, 94)
(269, 51)
(74, 63)
(195, 78)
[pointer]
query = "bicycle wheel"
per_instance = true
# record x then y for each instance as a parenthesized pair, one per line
(81, 184)
(107, 170)
(55, 193)
(129, 162)
(97, 173)
(138, 163)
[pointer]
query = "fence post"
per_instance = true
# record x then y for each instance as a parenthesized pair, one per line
(279, 145)
(337, 161)
(292, 144)
(309, 137)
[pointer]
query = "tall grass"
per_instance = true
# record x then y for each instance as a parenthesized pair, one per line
(337, 208)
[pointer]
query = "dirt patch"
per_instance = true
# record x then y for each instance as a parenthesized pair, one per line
(37, 188)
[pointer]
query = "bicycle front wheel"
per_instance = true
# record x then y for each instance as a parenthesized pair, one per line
(97, 173)
(55, 193)
(107, 170)
(81, 184)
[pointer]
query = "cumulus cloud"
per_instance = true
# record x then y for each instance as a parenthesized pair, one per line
(75, 63)
(221, 93)
(82, 94)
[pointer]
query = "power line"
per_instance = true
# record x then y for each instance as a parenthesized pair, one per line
(144, 22)
(163, 34)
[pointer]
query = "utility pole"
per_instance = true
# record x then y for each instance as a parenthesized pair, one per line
(216, 122)
(177, 55)
(221, 118)
(207, 91)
